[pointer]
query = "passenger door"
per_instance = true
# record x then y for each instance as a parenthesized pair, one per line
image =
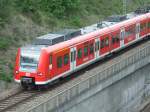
(115, 40)
(137, 31)
(122, 36)
(97, 47)
(73, 58)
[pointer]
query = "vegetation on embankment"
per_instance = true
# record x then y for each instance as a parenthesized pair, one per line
(22, 20)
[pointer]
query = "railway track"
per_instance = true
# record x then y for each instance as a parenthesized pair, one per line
(23, 100)
(146, 108)
(15, 99)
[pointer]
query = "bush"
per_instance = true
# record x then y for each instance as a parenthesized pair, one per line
(25, 6)
(5, 77)
(58, 8)
(5, 11)
(76, 21)
(4, 43)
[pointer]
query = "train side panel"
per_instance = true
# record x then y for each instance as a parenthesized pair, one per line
(105, 42)
(130, 34)
(85, 52)
(61, 61)
(115, 39)
(148, 24)
(143, 26)
(17, 65)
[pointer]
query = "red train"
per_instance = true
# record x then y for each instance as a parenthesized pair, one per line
(42, 63)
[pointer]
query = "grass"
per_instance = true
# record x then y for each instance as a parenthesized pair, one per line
(6, 77)
(5, 42)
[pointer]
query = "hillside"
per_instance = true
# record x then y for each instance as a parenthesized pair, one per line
(22, 20)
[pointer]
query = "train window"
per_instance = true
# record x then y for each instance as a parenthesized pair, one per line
(102, 43)
(50, 59)
(148, 24)
(59, 62)
(142, 26)
(85, 50)
(130, 31)
(113, 39)
(91, 48)
(79, 53)
(66, 59)
(107, 41)
(116, 38)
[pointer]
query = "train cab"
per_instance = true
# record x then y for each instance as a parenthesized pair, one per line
(27, 62)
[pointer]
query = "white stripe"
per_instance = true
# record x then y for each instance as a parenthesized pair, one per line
(16, 80)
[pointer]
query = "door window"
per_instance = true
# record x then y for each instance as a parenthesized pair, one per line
(122, 34)
(97, 46)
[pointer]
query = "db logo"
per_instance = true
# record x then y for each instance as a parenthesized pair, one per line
(27, 74)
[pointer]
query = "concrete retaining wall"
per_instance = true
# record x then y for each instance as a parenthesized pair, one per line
(123, 96)
(119, 85)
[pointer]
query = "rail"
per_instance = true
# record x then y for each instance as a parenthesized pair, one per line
(66, 95)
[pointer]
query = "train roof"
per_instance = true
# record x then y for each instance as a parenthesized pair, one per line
(47, 39)
(95, 30)
(57, 37)
(113, 22)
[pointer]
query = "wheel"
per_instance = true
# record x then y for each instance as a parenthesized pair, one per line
(25, 87)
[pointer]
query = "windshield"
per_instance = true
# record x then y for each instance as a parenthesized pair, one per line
(29, 62)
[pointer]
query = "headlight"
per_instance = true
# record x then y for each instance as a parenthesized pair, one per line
(17, 71)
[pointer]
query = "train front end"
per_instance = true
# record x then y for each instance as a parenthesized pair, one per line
(26, 68)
